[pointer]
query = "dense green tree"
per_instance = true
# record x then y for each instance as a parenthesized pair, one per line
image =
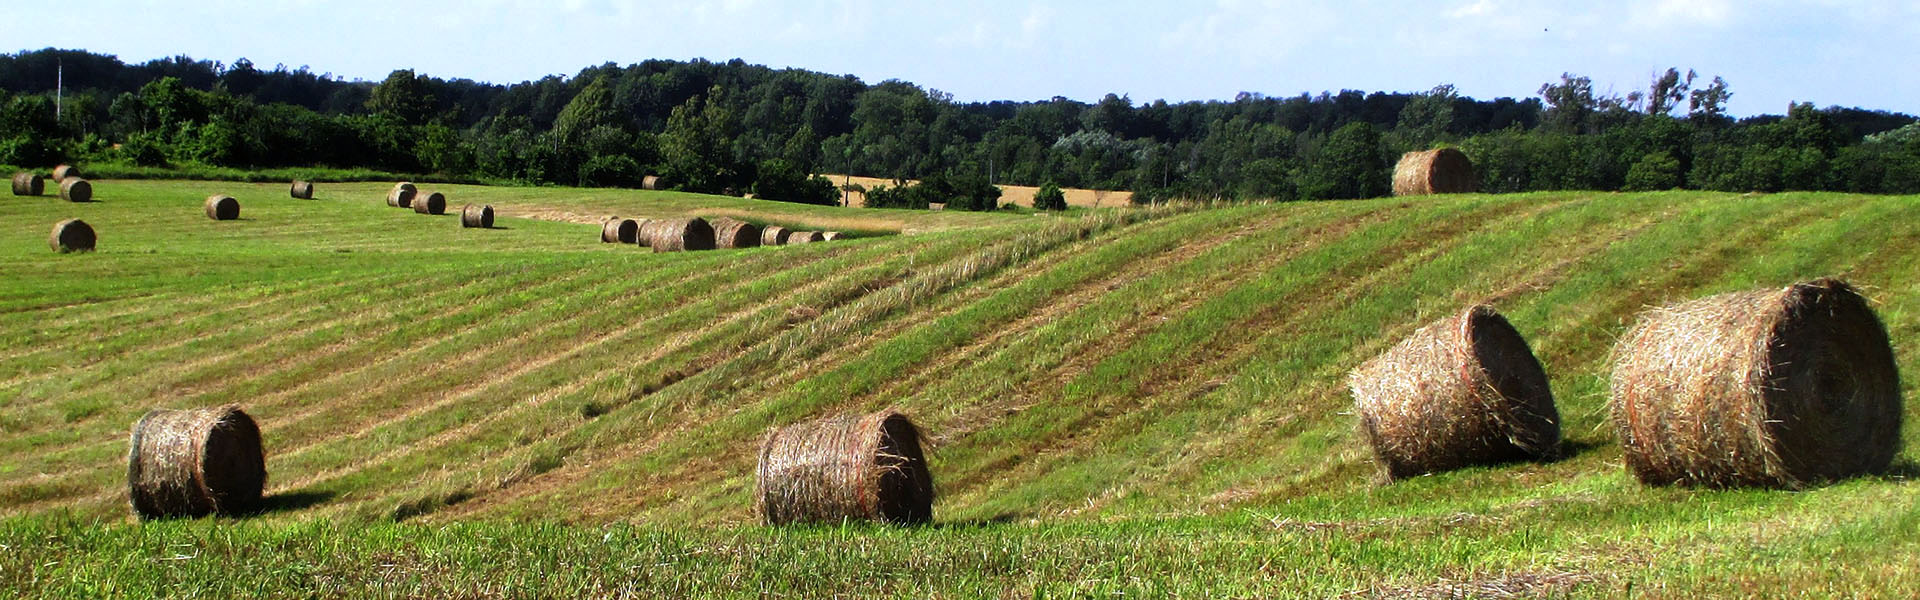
(403, 96)
(1049, 197)
(1348, 166)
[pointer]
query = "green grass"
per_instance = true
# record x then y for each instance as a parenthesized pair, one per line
(1142, 402)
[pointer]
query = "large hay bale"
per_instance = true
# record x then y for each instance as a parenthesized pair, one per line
(805, 237)
(652, 182)
(430, 203)
(675, 235)
(401, 196)
(221, 207)
(75, 189)
(71, 235)
(844, 468)
(735, 233)
(1439, 171)
(1462, 391)
(190, 463)
(62, 172)
(831, 236)
(28, 184)
(774, 235)
(477, 215)
(616, 230)
(302, 190)
(1777, 388)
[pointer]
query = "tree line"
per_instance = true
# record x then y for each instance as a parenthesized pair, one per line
(736, 127)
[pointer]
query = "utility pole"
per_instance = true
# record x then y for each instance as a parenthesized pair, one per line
(59, 85)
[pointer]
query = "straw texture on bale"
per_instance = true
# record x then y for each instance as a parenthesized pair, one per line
(774, 235)
(616, 230)
(75, 189)
(831, 236)
(1774, 388)
(62, 172)
(477, 215)
(430, 203)
(1462, 391)
(71, 235)
(190, 463)
(302, 190)
(844, 468)
(28, 184)
(401, 196)
(805, 237)
(652, 182)
(1441, 171)
(221, 207)
(735, 233)
(676, 235)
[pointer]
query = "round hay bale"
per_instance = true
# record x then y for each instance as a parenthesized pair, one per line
(735, 233)
(831, 236)
(844, 468)
(75, 189)
(302, 190)
(28, 184)
(805, 237)
(1439, 171)
(652, 182)
(1462, 391)
(401, 196)
(221, 207)
(430, 203)
(71, 235)
(616, 230)
(477, 215)
(191, 463)
(774, 235)
(675, 235)
(1775, 388)
(62, 172)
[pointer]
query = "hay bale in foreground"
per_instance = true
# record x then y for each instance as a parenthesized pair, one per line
(1776, 388)
(71, 235)
(1462, 391)
(735, 233)
(774, 235)
(844, 468)
(221, 207)
(831, 236)
(401, 196)
(62, 172)
(652, 182)
(1438, 171)
(805, 237)
(190, 463)
(430, 203)
(676, 235)
(616, 230)
(302, 190)
(75, 189)
(28, 184)
(477, 215)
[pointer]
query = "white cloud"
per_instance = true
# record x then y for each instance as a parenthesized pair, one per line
(1680, 13)
(1480, 8)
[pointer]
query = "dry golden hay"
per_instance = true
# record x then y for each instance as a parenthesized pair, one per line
(71, 235)
(221, 207)
(735, 233)
(640, 231)
(1438, 171)
(62, 172)
(401, 196)
(1776, 388)
(28, 184)
(805, 237)
(675, 235)
(75, 189)
(477, 215)
(1462, 391)
(831, 236)
(190, 463)
(616, 230)
(302, 190)
(430, 203)
(844, 468)
(652, 182)
(774, 235)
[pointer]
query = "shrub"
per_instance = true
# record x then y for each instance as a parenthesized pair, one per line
(1049, 198)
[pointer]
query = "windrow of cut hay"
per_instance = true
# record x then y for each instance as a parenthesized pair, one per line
(302, 190)
(677, 235)
(71, 235)
(75, 189)
(1775, 388)
(190, 463)
(28, 184)
(477, 216)
(401, 196)
(1462, 391)
(844, 468)
(616, 230)
(221, 207)
(735, 233)
(1440, 171)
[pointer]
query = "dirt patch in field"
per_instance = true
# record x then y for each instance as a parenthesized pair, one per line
(1535, 584)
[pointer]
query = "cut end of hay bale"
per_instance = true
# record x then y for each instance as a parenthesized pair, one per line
(75, 189)
(774, 235)
(678, 235)
(429, 203)
(735, 233)
(62, 172)
(401, 196)
(190, 463)
(616, 230)
(477, 215)
(652, 182)
(845, 468)
(28, 184)
(831, 236)
(1462, 391)
(1439, 171)
(1784, 387)
(71, 235)
(302, 190)
(221, 207)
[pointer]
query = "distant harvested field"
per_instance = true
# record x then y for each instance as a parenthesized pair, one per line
(1017, 194)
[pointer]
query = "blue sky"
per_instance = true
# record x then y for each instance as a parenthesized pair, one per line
(1771, 52)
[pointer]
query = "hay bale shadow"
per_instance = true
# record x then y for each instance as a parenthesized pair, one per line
(289, 501)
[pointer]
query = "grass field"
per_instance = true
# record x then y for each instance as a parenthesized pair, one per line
(1133, 403)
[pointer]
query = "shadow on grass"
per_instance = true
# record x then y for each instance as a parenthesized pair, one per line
(288, 501)
(1902, 471)
(1570, 449)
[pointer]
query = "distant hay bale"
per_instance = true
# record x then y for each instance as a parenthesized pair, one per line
(652, 182)
(1783, 387)
(831, 236)
(1462, 391)
(430, 203)
(477, 215)
(774, 235)
(1439, 171)
(191, 463)
(75, 189)
(71, 235)
(221, 207)
(616, 230)
(401, 196)
(28, 184)
(805, 237)
(844, 468)
(676, 235)
(735, 233)
(62, 172)
(302, 190)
